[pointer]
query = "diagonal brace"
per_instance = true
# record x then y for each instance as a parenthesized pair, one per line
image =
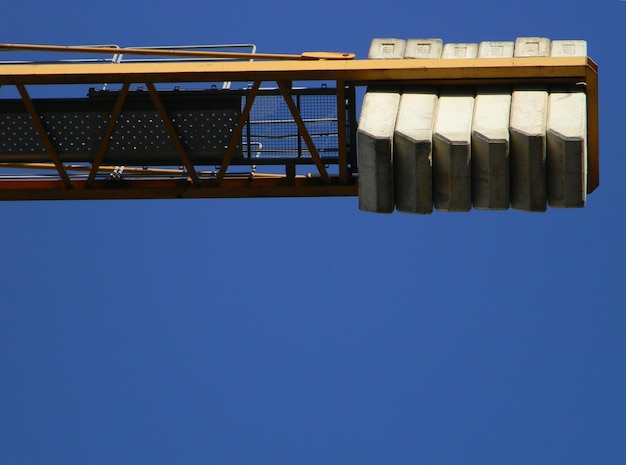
(284, 90)
(238, 131)
(173, 134)
(104, 143)
(44, 135)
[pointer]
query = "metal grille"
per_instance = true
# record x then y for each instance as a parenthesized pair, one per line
(271, 133)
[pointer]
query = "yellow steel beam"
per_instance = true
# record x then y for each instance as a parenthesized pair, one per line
(235, 187)
(342, 135)
(437, 71)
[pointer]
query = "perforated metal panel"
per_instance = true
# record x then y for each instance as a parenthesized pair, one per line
(204, 122)
(17, 134)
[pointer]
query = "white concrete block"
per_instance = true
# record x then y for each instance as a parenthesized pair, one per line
(460, 51)
(375, 141)
(568, 48)
(490, 150)
(423, 48)
(387, 49)
(452, 189)
(532, 47)
(412, 151)
(490, 138)
(495, 49)
(529, 113)
(452, 151)
(567, 149)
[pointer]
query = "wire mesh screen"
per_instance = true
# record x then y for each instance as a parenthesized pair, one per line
(272, 135)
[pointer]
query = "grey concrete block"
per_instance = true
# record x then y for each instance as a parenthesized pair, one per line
(490, 138)
(460, 51)
(375, 142)
(452, 151)
(566, 159)
(452, 141)
(531, 47)
(490, 150)
(529, 114)
(529, 111)
(387, 49)
(423, 48)
(568, 48)
(491, 49)
(412, 151)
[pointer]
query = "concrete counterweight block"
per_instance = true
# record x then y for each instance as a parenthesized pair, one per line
(412, 151)
(531, 47)
(529, 112)
(566, 158)
(451, 151)
(375, 136)
(375, 142)
(452, 141)
(566, 151)
(460, 51)
(490, 138)
(490, 49)
(386, 49)
(490, 150)
(423, 48)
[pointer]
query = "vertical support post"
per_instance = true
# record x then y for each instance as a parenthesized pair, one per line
(593, 136)
(342, 146)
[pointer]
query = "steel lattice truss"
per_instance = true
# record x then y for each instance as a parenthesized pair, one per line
(162, 129)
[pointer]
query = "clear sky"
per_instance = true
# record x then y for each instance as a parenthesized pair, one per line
(303, 331)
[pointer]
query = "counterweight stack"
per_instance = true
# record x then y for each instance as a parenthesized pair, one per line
(490, 146)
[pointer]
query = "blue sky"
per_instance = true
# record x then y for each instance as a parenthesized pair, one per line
(304, 331)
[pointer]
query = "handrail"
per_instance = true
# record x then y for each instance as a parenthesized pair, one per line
(172, 52)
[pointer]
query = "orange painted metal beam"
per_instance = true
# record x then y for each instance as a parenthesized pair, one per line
(230, 187)
(418, 71)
